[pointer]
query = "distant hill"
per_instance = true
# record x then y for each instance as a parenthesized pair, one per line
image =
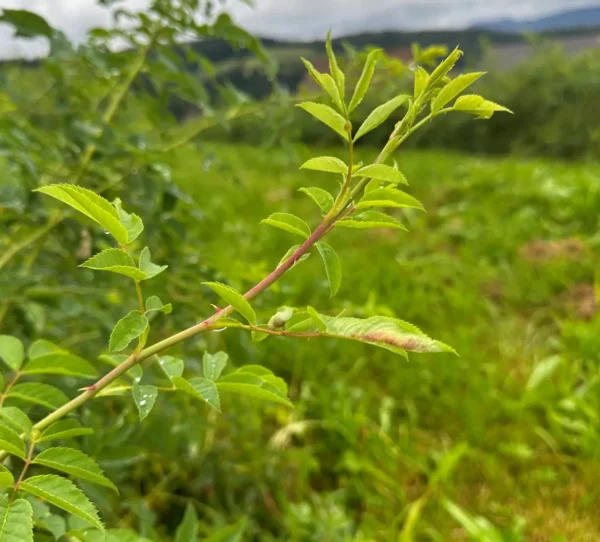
(564, 20)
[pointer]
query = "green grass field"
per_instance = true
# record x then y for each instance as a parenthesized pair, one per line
(501, 267)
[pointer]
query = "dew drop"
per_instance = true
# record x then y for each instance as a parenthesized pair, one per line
(142, 403)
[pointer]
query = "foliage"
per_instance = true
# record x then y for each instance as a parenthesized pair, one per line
(211, 466)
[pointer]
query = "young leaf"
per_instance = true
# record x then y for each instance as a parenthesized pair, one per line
(251, 385)
(370, 219)
(154, 303)
(64, 494)
(291, 251)
(149, 268)
(201, 388)
(388, 197)
(171, 366)
(6, 479)
(12, 351)
(476, 105)
(128, 328)
(327, 83)
(288, 222)
(90, 204)
(381, 172)
(188, 530)
(389, 333)
(330, 164)
(60, 364)
(132, 222)
(16, 519)
(144, 397)
(11, 442)
(327, 116)
(453, 89)
(365, 79)
(115, 261)
(380, 114)
(333, 266)
(16, 419)
(316, 319)
(421, 77)
(334, 69)
(64, 429)
(75, 463)
(321, 197)
(235, 299)
(213, 364)
(444, 68)
(39, 393)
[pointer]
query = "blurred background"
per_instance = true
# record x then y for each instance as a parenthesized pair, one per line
(184, 109)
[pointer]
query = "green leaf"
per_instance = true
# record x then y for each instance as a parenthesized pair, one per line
(381, 172)
(41, 347)
(543, 371)
(333, 266)
(60, 364)
(388, 197)
(235, 299)
(370, 219)
(115, 261)
(321, 197)
(334, 69)
(90, 204)
(11, 442)
(330, 164)
(65, 495)
(188, 530)
(365, 79)
(421, 77)
(39, 393)
(213, 364)
(389, 333)
(144, 397)
(251, 386)
(16, 419)
(16, 520)
(154, 303)
(229, 533)
(288, 222)
(149, 268)
(453, 89)
(131, 222)
(12, 351)
(201, 388)
(476, 105)
(380, 114)
(444, 67)
(6, 479)
(27, 25)
(127, 329)
(75, 463)
(64, 429)
(171, 366)
(291, 251)
(316, 319)
(327, 116)
(327, 83)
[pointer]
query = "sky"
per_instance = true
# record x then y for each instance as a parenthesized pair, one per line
(299, 19)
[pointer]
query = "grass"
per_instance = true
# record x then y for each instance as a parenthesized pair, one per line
(501, 266)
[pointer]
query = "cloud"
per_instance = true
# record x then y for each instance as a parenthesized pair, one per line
(296, 19)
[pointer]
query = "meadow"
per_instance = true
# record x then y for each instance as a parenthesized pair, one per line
(500, 266)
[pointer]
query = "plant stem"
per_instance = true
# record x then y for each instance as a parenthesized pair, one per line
(18, 375)
(205, 325)
(25, 467)
(140, 298)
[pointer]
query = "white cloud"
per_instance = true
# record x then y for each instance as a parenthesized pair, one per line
(297, 19)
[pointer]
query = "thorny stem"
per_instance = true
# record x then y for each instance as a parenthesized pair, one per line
(209, 323)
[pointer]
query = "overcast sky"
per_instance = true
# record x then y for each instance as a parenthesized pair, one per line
(301, 19)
